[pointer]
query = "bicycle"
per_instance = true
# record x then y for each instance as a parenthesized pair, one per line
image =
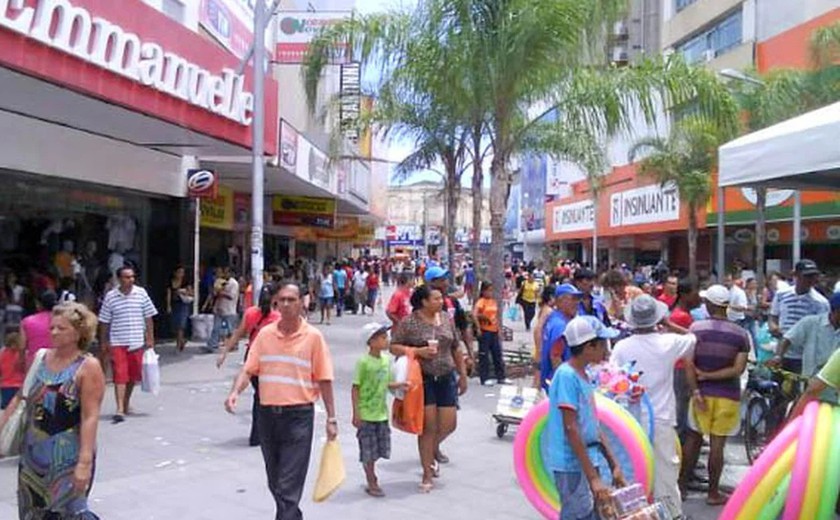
(769, 404)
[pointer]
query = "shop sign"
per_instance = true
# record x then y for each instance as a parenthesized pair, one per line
(219, 18)
(774, 197)
(404, 235)
(217, 213)
(290, 210)
(646, 205)
(241, 211)
(202, 183)
(433, 235)
(288, 147)
(359, 181)
(73, 30)
(312, 165)
(578, 216)
(298, 29)
(350, 100)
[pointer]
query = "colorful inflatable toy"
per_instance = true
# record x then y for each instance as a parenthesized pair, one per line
(797, 475)
(627, 439)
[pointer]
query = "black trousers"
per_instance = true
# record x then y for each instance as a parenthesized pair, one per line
(489, 347)
(286, 443)
(530, 310)
(254, 438)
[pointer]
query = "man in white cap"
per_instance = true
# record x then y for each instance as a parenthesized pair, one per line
(720, 357)
(655, 354)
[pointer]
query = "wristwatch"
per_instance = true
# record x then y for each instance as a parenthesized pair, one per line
(332, 420)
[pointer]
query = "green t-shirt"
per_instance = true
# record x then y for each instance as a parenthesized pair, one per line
(372, 376)
(830, 374)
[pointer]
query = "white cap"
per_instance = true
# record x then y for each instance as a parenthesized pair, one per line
(372, 329)
(716, 295)
(579, 331)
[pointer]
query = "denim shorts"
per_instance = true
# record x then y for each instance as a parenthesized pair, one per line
(575, 496)
(440, 391)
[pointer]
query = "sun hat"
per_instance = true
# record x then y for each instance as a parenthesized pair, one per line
(372, 329)
(435, 272)
(716, 295)
(644, 312)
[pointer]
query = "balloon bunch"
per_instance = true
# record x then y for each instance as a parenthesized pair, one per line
(797, 475)
(619, 383)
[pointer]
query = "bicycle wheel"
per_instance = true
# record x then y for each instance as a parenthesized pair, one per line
(757, 431)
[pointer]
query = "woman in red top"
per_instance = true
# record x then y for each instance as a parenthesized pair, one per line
(372, 288)
(254, 319)
(12, 367)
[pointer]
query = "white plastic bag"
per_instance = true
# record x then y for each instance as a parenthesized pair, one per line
(151, 372)
(400, 373)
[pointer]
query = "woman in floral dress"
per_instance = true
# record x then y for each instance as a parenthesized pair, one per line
(59, 437)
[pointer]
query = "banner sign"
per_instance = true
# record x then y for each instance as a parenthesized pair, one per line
(202, 184)
(645, 205)
(578, 216)
(298, 29)
(217, 212)
(288, 147)
(404, 235)
(289, 210)
(218, 19)
(350, 100)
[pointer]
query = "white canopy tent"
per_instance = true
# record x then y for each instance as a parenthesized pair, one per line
(802, 153)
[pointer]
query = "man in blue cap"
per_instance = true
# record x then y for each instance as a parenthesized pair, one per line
(554, 351)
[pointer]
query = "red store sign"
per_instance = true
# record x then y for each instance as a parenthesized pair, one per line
(128, 53)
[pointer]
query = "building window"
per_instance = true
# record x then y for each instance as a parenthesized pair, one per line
(174, 9)
(682, 4)
(715, 40)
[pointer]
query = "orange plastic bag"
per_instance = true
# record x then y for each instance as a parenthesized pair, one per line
(407, 413)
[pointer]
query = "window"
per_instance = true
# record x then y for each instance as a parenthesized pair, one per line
(682, 4)
(715, 40)
(174, 9)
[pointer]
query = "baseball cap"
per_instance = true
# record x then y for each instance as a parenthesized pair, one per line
(372, 329)
(834, 301)
(601, 330)
(716, 295)
(435, 272)
(579, 331)
(565, 289)
(806, 267)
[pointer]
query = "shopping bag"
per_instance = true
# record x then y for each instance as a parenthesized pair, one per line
(512, 313)
(399, 375)
(407, 413)
(11, 436)
(331, 472)
(151, 372)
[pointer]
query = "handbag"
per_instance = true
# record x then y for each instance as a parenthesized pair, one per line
(11, 436)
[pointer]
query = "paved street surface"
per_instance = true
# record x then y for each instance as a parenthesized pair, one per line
(182, 457)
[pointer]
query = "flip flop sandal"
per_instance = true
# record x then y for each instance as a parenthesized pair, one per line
(426, 487)
(375, 492)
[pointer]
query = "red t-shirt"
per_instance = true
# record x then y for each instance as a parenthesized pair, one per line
(668, 300)
(254, 321)
(372, 281)
(681, 317)
(400, 304)
(12, 372)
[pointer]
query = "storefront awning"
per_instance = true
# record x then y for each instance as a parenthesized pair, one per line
(800, 153)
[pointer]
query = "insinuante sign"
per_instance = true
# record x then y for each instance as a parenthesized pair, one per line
(646, 205)
(73, 30)
(578, 216)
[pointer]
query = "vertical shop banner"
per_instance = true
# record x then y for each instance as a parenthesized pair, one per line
(298, 29)
(241, 211)
(202, 184)
(288, 210)
(288, 147)
(319, 169)
(217, 212)
(350, 100)
(366, 139)
(645, 205)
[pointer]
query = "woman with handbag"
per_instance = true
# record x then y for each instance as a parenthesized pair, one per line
(179, 298)
(62, 397)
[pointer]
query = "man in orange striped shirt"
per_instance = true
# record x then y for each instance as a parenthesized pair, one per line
(294, 367)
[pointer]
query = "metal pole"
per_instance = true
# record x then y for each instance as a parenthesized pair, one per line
(721, 234)
(196, 249)
(258, 135)
(797, 226)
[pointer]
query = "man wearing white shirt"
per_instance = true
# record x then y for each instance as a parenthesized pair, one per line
(225, 302)
(736, 312)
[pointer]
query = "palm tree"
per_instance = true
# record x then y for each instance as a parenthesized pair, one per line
(785, 93)
(685, 160)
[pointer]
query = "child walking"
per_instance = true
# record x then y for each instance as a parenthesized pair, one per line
(371, 381)
(12, 368)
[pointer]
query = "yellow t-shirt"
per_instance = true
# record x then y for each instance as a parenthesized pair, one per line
(530, 288)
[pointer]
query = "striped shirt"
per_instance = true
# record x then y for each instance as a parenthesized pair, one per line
(289, 366)
(789, 307)
(718, 344)
(126, 314)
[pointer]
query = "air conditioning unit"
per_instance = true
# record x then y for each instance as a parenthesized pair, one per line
(708, 55)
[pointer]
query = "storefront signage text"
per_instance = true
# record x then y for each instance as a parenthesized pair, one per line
(106, 45)
(290, 210)
(217, 212)
(578, 216)
(646, 205)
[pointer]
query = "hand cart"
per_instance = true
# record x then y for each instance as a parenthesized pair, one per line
(515, 401)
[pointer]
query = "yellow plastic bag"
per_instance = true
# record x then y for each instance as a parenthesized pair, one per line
(331, 472)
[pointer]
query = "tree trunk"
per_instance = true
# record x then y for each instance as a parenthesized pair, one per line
(595, 233)
(453, 196)
(692, 243)
(477, 206)
(499, 187)
(760, 233)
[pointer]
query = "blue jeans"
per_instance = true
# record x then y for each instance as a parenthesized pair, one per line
(220, 322)
(575, 496)
(339, 301)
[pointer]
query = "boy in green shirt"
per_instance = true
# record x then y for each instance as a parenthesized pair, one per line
(371, 382)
